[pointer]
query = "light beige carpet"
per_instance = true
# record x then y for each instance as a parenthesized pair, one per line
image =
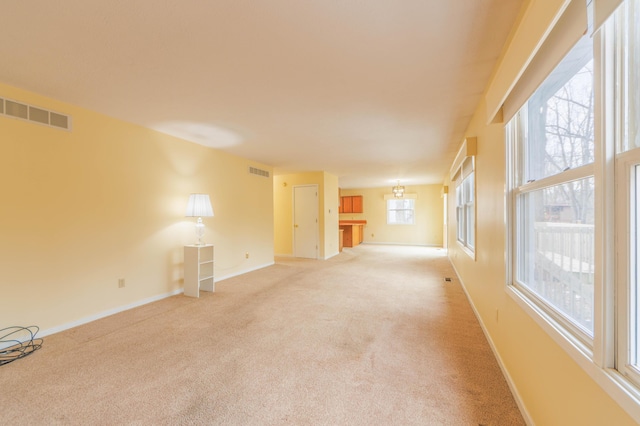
(373, 336)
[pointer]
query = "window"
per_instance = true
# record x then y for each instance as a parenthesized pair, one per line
(628, 273)
(629, 280)
(632, 272)
(401, 211)
(628, 190)
(465, 206)
(573, 176)
(553, 193)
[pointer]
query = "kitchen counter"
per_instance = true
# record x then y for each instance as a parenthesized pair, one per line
(353, 232)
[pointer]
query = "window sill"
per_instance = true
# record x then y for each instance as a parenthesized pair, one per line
(617, 386)
(467, 250)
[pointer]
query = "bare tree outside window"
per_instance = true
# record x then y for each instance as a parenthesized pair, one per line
(401, 211)
(555, 239)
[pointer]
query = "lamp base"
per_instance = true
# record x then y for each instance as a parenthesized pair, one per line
(200, 232)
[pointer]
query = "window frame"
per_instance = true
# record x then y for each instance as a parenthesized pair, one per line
(604, 360)
(627, 193)
(519, 186)
(466, 206)
(412, 209)
(626, 231)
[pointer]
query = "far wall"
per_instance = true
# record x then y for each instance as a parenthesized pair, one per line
(428, 229)
(327, 212)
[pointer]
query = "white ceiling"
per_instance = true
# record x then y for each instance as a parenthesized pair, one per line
(371, 91)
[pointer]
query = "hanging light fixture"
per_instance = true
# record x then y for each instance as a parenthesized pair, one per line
(398, 191)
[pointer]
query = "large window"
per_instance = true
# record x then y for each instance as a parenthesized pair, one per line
(628, 189)
(465, 206)
(553, 193)
(401, 211)
(573, 169)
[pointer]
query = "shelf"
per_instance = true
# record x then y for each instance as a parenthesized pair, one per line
(198, 269)
(207, 284)
(206, 253)
(206, 270)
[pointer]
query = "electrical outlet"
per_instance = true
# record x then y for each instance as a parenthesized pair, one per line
(120, 282)
(246, 255)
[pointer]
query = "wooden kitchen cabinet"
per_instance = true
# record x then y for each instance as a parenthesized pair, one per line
(356, 203)
(347, 204)
(352, 232)
(351, 204)
(352, 235)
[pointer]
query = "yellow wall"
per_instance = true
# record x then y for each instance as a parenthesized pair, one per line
(429, 216)
(82, 209)
(327, 205)
(554, 389)
(331, 203)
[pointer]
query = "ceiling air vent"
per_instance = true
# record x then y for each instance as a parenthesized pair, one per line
(34, 114)
(258, 172)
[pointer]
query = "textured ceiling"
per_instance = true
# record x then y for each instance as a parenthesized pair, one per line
(371, 91)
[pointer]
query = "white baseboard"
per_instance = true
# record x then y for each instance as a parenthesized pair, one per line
(107, 313)
(225, 277)
(505, 373)
(332, 255)
(136, 304)
(290, 256)
(375, 243)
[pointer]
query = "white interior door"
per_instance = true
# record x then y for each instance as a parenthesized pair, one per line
(305, 221)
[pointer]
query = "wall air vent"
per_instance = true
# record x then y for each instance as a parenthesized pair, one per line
(34, 114)
(18, 110)
(259, 172)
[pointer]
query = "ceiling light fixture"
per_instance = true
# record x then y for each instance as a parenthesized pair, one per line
(398, 191)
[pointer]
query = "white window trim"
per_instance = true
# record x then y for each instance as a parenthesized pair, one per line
(568, 176)
(561, 331)
(515, 175)
(599, 363)
(464, 243)
(600, 368)
(609, 379)
(405, 196)
(410, 195)
(464, 166)
(625, 164)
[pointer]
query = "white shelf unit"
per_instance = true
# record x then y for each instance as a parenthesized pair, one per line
(198, 269)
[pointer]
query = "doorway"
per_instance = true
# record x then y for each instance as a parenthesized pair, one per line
(305, 221)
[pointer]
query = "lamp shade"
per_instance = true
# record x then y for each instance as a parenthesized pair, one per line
(199, 206)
